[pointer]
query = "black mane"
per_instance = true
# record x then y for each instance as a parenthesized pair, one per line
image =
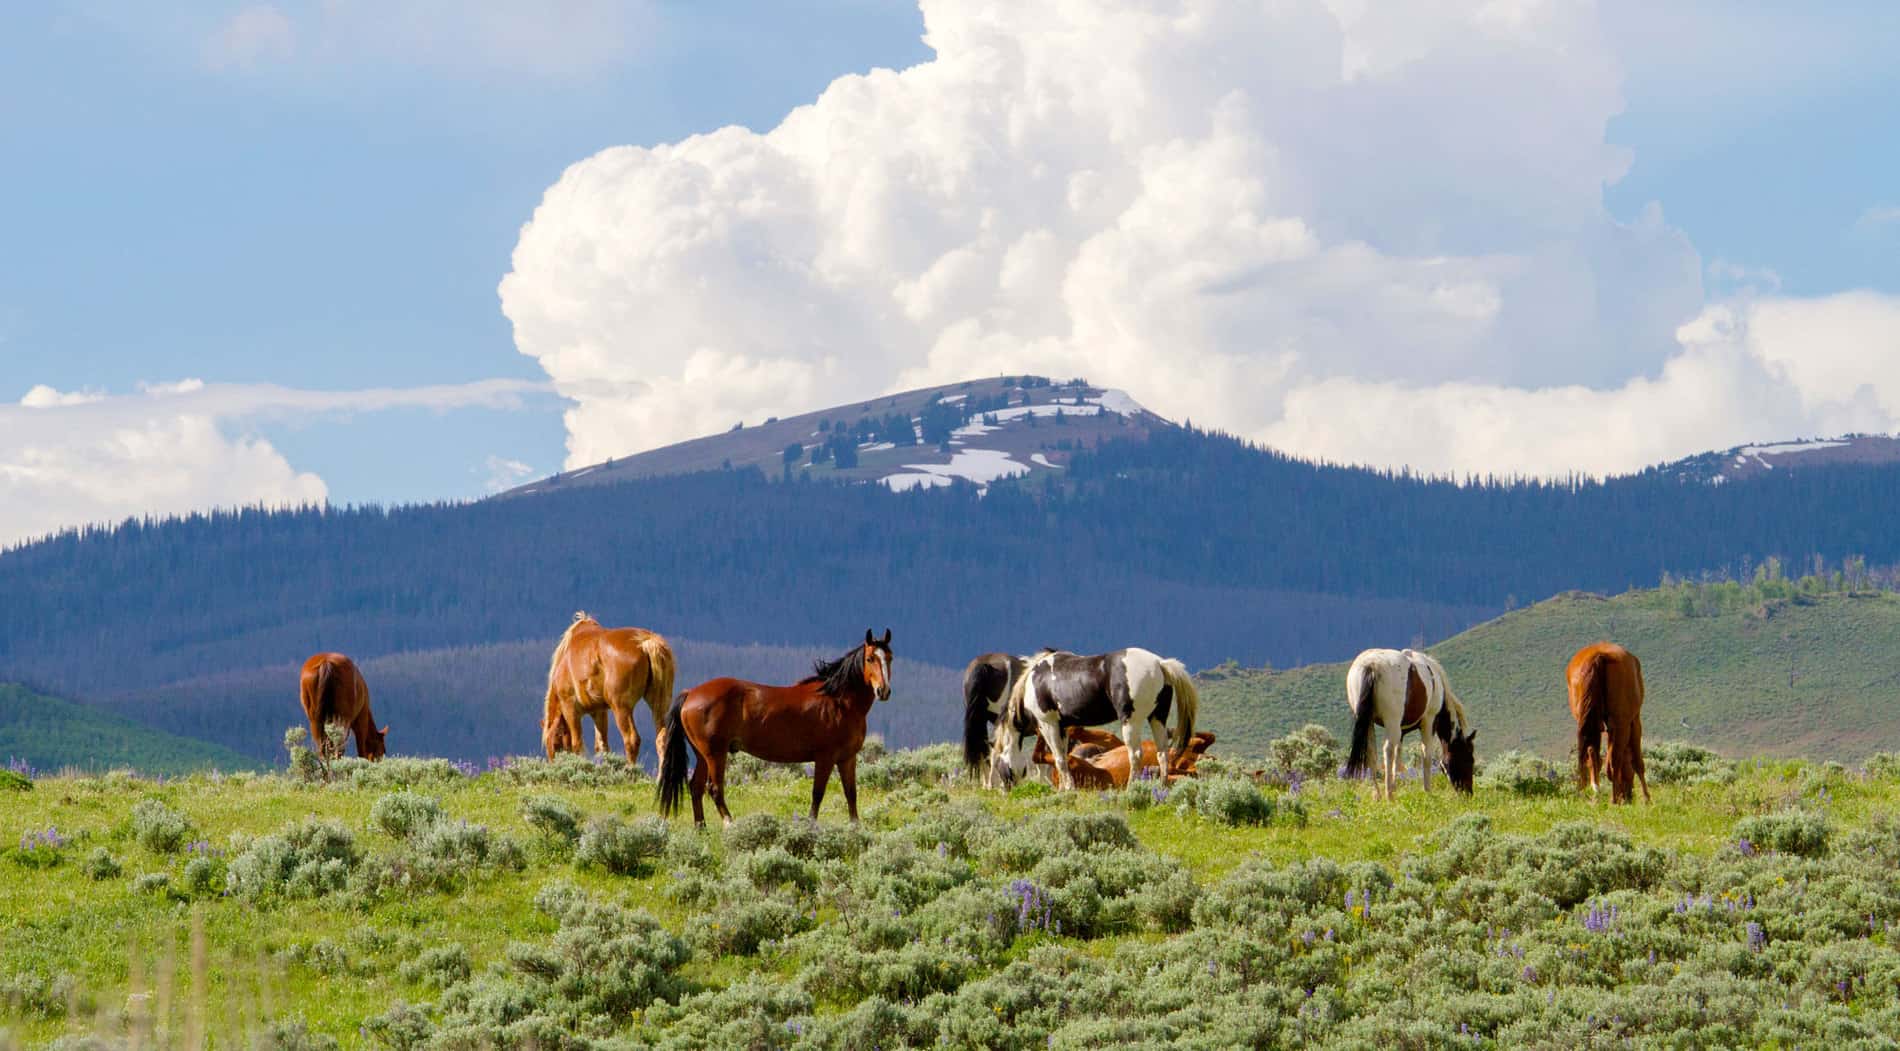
(835, 677)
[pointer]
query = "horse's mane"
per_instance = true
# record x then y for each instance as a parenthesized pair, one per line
(560, 648)
(835, 677)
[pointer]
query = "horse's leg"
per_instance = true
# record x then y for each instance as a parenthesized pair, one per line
(571, 714)
(629, 735)
(716, 758)
(1390, 754)
(599, 716)
(1131, 740)
(1425, 741)
(1636, 761)
(820, 776)
(1159, 731)
(848, 780)
(698, 784)
(1058, 743)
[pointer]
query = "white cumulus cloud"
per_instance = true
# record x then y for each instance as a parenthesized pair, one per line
(70, 458)
(1355, 230)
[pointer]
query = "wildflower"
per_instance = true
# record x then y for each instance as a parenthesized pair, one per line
(1757, 937)
(1529, 974)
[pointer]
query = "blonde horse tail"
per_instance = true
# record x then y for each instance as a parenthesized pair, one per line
(1187, 699)
(660, 670)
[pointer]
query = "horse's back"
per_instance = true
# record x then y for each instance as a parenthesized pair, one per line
(342, 681)
(1606, 674)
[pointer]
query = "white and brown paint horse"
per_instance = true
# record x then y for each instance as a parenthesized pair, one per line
(986, 687)
(1129, 689)
(1405, 690)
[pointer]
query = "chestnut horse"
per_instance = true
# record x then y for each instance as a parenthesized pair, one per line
(596, 670)
(1099, 760)
(820, 721)
(333, 691)
(1606, 696)
(1406, 690)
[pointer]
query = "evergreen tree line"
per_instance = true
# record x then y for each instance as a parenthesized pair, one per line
(1190, 543)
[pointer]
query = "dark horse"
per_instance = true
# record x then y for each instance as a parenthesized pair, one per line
(820, 721)
(1606, 696)
(986, 684)
(333, 691)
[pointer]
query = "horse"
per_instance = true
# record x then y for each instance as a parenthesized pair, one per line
(1606, 696)
(333, 691)
(596, 670)
(1129, 687)
(819, 720)
(1098, 760)
(1405, 690)
(986, 686)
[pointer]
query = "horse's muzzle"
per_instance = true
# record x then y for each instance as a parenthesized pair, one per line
(884, 693)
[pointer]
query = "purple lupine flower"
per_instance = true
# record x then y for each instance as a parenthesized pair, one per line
(19, 765)
(1529, 974)
(1757, 937)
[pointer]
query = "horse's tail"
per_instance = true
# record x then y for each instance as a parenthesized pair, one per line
(660, 670)
(1591, 687)
(673, 760)
(1187, 700)
(1365, 708)
(977, 719)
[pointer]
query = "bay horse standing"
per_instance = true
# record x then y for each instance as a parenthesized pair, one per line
(333, 691)
(1402, 691)
(598, 670)
(1131, 688)
(986, 687)
(819, 720)
(1606, 697)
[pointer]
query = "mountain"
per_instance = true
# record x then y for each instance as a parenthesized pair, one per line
(1745, 462)
(1139, 532)
(50, 734)
(1775, 668)
(978, 431)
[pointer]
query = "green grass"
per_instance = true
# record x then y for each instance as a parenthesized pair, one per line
(52, 734)
(258, 961)
(1803, 673)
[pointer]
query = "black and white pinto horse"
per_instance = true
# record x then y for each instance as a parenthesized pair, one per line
(1129, 688)
(1405, 690)
(986, 687)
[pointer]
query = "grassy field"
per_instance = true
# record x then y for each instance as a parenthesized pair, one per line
(409, 904)
(51, 733)
(1748, 671)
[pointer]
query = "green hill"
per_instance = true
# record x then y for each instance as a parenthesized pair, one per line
(51, 734)
(1774, 669)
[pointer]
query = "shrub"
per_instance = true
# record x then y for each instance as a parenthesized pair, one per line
(14, 781)
(1233, 801)
(100, 864)
(1884, 765)
(394, 772)
(932, 765)
(294, 1035)
(152, 883)
(403, 814)
(1311, 751)
(1786, 832)
(401, 1028)
(159, 828)
(1676, 763)
(776, 867)
(441, 966)
(1521, 773)
(621, 848)
(753, 832)
(305, 767)
(203, 877)
(30, 993)
(573, 771)
(306, 859)
(553, 817)
(740, 927)
(446, 854)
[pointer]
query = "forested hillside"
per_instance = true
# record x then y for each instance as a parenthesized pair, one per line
(1192, 544)
(44, 733)
(1775, 667)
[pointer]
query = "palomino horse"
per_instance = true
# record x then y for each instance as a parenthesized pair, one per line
(333, 691)
(820, 721)
(596, 670)
(1405, 690)
(1098, 759)
(1132, 688)
(986, 686)
(1606, 696)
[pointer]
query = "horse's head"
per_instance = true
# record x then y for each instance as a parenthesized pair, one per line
(374, 748)
(877, 663)
(1461, 760)
(554, 736)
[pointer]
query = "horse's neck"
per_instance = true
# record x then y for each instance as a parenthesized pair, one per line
(856, 702)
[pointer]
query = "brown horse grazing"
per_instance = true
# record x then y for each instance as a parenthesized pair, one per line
(1099, 760)
(596, 670)
(333, 691)
(818, 721)
(1606, 696)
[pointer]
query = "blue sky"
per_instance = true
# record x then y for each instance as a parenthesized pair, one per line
(322, 198)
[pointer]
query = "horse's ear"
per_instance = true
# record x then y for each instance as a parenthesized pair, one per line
(868, 640)
(382, 732)
(1472, 736)
(887, 638)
